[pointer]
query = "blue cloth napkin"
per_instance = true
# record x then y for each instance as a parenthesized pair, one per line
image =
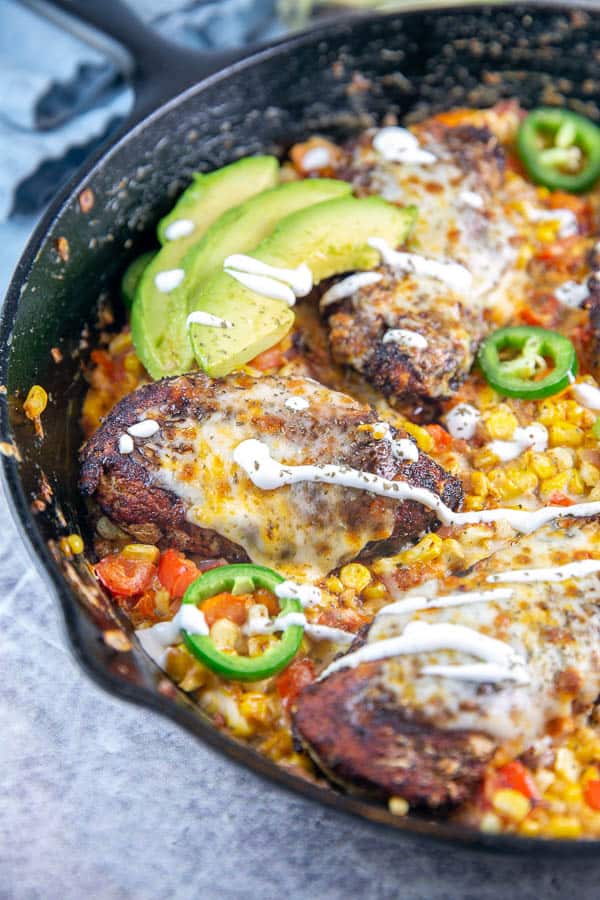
(59, 97)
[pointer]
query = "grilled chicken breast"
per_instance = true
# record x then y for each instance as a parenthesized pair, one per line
(183, 478)
(462, 217)
(390, 727)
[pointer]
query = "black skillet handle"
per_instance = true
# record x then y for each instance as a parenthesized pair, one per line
(159, 69)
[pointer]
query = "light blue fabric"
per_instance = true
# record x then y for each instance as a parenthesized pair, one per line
(58, 96)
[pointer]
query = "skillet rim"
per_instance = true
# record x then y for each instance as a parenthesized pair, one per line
(411, 826)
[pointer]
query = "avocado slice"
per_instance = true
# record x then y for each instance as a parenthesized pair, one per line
(152, 308)
(330, 237)
(133, 275)
(203, 201)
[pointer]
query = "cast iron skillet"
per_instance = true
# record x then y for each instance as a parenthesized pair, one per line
(336, 79)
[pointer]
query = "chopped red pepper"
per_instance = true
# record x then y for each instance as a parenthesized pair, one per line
(292, 681)
(124, 577)
(557, 498)
(440, 436)
(591, 794)
(176, 572)
(516, 776)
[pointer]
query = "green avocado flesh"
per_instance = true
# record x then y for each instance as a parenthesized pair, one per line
(133, 275)
(210, 195)
(330, 237)
(208, 198)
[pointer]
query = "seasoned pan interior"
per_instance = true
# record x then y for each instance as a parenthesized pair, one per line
(336, 82)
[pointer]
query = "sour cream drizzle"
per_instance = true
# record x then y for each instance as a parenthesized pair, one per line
(178, 229)
(451, 273)
(168, 280)
(578, 569)
(157, 639)
(462, 421)
(586, 394)
(535, 436)
(405, 338)
(572, 293)
(254, 457)
(307, 594)
(402, 448)
(400, 145)
(263, 625)
(416, 603)
(299, 280)
(501, 661)
(349, 286)
(203, 318)
(144, 429)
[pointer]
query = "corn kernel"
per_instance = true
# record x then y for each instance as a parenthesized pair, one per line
(141, 553)
(424, 440)
(334, 585)
(490, 823)
(162, 601)
(529, 827)
(590, 474)
(132, 365)
(542, 465)
(35, 402)
(375, 591)
(479, 484)
(546, 232)
(501, 423)
(564, 827)
(562, 457)
(576, 485)
(120, 343)
(559, 482)
(260, 643)
(511, 803)
(65, 547)
(225, 634)
(428, 548)
(564, 434)
(452, 553)
(566, 764)
(75, 543)
(572, 794)
(484, 459)
(355, 576)
(544, 778)
(398, 806)
(591, 773)
(474, 503)
(256, 707)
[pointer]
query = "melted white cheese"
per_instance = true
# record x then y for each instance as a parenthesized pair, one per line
(572, 293)
(396, 144)
(144, 429)
(178, 229)
(462, 421)
(254, 457)
(578, 569)
(203, 318)
(126, 444)
(416, 603)
(405, 338)
(349, 286)
(501, 661)
(533, 436)
(451, 273)
(470, 198)
(586, 394)
(168, 280)
(300, 279)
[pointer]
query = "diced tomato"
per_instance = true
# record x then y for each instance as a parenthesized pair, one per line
(516, 776)
(292, 681)
(529, 317)
(557, 498)
(272, 358)
(145, 606)
(227, 606)
(591, 794)
(440, 436)
(176, 572)
(124, 577)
